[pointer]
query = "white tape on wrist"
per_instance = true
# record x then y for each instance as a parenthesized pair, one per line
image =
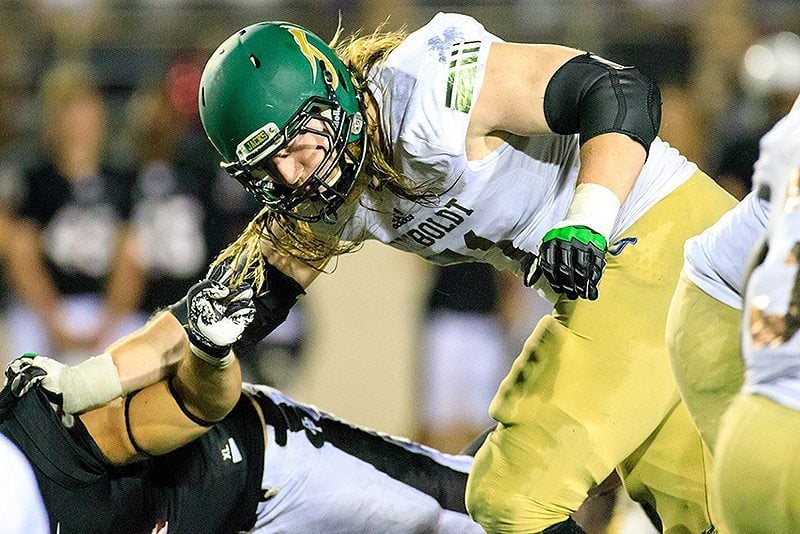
(90, 384)
(595, 206)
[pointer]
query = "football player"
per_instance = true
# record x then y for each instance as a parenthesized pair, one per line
(706, 353)
(269, 465)
(542, 160)
(711, 325)
(756, 469)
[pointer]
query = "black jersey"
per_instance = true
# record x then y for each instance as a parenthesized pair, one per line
(80, 222)
(208, 486)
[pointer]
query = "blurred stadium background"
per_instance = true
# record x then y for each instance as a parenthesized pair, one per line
(356, 349)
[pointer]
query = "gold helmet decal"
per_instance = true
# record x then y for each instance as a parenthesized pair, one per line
(312, 54)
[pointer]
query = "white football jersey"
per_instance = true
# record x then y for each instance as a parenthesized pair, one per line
(716, 260)
(496, 209)
(324, 475)
(773, 369)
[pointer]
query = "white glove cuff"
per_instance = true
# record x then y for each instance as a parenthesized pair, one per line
(595, 206)
(220, 363)
(90, 384)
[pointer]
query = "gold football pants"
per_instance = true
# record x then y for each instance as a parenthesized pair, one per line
(593, 390)
(757, 468)
(705, 349)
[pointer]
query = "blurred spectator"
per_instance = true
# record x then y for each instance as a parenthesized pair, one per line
(720, 34)
(769, 83)
(665, 54)
(169, 201)
(228, 207)
(463, 357)
(680, 122)
(12, 98)
(70, 259)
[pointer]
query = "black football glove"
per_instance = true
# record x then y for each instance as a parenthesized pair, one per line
(572, 259)
(21, 374)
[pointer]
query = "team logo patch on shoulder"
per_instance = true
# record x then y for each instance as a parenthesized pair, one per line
(462, 67)
(441, 43)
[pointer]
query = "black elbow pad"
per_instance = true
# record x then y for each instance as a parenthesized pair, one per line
(589, 95)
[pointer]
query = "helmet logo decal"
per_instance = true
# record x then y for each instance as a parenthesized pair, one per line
(312, 54)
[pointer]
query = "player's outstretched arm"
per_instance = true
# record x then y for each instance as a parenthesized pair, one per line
(153, 352)
(205, 387)
(616, 112)
(149, 354)
(139, 359)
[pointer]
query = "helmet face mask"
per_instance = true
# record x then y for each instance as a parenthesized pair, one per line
(267, 85)
(326, 188)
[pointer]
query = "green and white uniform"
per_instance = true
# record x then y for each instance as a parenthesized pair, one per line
(496, 209)
(592, 389)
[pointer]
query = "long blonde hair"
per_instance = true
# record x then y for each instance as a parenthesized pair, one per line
(361, 54)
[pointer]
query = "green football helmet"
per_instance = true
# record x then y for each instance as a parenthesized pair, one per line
(260, 89)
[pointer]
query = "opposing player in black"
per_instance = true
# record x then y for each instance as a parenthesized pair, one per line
(270, 464)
